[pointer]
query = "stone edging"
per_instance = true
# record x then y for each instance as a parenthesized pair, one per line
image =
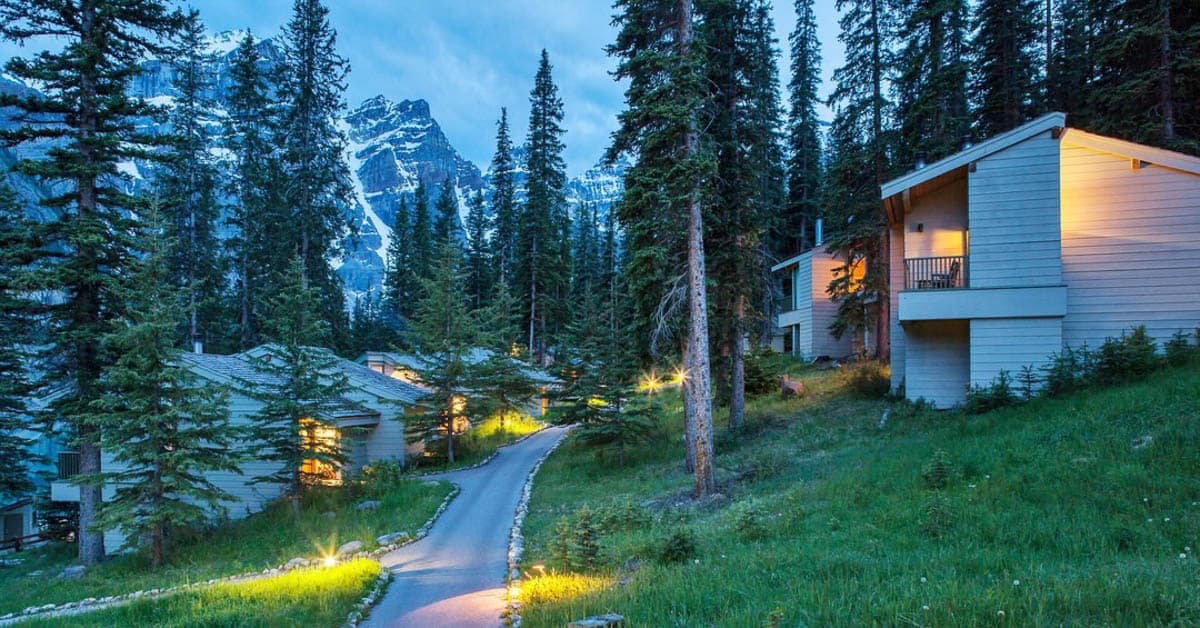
(93, 604)
(491, 457)
(516, 541)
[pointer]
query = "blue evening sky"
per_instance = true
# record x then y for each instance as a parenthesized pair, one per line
(468, 58)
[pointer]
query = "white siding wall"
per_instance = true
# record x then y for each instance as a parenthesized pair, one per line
(937, 361)
(1131, 247)
(823, 311)
(386, 441)
(1014, 216)
(942, 214)
(802, 288)
(1008, 344)
(896, 332)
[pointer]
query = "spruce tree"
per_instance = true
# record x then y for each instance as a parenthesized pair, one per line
(16, 323)
(296, 428)
(445, 332)
(445, 226)
(665, 192)
(423, 247)
(1005, 78)
(504, 204)
(311, 84)
(796, 232)
(479, 255)
(254, 187)
(540, 258)
(399, 283)
(860, 141)
(166, 430)
(742, 117)
(930, 86)
(188, 183)
(90, 244)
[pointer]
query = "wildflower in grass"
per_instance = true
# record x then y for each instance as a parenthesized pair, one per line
(925, 607)
(1182, 556)
(922, 579)
(1016, 583)
(1000, 613)
(1165, 519)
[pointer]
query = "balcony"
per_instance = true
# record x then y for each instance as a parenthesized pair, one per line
(935, 273)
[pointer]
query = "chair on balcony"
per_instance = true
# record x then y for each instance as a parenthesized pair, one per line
(942, 280)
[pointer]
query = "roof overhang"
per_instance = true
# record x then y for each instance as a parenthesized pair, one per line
(1050, 122)
(791, 261)
(1139, 153)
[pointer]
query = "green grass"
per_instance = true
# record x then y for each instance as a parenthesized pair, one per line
(482, 440)
(1056, 512)
(258, 542)
(309, 597)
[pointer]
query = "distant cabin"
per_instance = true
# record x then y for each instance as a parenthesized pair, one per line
(368, 417)
(406, 367)
(806, 311)
(1037, 239)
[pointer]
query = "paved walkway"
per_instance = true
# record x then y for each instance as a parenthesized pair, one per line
(455, 575)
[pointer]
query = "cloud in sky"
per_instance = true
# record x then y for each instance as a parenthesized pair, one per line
(469, 58)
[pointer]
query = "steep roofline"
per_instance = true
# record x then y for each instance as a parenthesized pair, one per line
(1048, 122)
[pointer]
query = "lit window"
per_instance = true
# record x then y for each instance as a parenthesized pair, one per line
(320, 439)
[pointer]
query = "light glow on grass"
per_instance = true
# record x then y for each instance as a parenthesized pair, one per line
(560, 587)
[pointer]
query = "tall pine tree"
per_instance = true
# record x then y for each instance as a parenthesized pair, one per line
(859, 164)
(90, 244)
(504, 205)
(423, 247)
(16, 323)
(660, 128)
(399, 282)
(931, 84)
(188, 183)
(1006, 77)
(445, 226)
(479, 258)
(796, 232)
(253, 185)
(167, 431)
(540, 258)
(311, 84)
(297, 427)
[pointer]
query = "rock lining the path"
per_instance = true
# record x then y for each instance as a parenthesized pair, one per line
(516, 541)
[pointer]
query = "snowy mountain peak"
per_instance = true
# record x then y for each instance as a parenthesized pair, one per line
(226, 42)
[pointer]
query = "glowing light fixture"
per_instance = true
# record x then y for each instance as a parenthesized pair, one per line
(329, 561)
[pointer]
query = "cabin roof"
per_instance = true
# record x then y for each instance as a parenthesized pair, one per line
(963, 158)
(1149, 154)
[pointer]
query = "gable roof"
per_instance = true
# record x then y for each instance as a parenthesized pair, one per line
(478, 354)
(963, 158)
(1157, 156)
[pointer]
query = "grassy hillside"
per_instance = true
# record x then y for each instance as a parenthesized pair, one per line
(1081, 510)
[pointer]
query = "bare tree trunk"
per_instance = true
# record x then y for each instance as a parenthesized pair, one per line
(1049, 45)
(450, 431)
(1166, 75)
(883, 260)
(698, 371)
(689, 414)
(533, 296)
(737, 384)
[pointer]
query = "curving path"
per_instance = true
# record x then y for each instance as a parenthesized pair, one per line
(455, 575)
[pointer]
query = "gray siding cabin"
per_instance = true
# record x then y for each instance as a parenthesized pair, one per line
(368, 418)
(1040, 238)
(802, 327)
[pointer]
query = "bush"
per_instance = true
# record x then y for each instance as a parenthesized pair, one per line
(1067, 371)
(560, 543)
(937, 515)
(766, 463)
(987, 398)
(937, 471)
(1178, 349)
(622, 514)
(1132, 356)
(750, 521)
(763, 369)
(677, 547)
(583, 551)
(869, 379)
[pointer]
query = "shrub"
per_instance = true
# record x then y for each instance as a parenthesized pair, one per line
(560, 543)
(622, 514)
(1062, 374)
(1027, 381)
(987, 398)
(766, 463)
(750, 521)
(1132, 356)
(869, 379)
(677, 547)
(937, 515)
(583, 551)
(763, 369)
(937, 471)
(1178, 349)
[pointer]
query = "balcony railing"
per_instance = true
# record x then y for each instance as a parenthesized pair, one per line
(935, 273)
(68, 464)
